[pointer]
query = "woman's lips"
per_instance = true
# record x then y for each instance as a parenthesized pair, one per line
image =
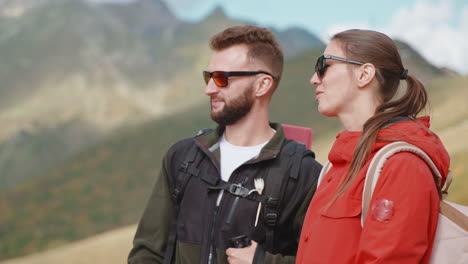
(317, 93)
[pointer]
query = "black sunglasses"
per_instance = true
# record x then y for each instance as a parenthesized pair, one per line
(220, 78)
(321, 65)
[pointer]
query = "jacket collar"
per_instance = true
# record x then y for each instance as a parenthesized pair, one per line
(210, 139)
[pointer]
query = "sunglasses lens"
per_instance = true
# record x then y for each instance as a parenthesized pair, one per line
(206, 76)
(220, 79)
(320, 66)
(317, 68)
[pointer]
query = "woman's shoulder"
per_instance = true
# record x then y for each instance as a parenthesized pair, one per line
(407, 169)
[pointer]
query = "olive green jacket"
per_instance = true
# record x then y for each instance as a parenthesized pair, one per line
(201, 224)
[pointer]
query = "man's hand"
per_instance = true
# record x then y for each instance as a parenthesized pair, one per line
(241, 255)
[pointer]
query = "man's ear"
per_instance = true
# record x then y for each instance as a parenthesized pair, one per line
(365, 74)
(264, 85)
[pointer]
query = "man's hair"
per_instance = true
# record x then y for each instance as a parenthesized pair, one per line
(261, 43)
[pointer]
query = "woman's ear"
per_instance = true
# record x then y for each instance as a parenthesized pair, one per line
(263, 85)
(365, 74)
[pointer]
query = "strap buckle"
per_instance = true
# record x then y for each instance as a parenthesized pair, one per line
(272, 202)
(238, 190)
(271, 219)
(184, 166)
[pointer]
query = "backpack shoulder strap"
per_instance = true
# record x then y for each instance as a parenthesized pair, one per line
(277, 182)
(456, 213)
(187, 169)
(377, 163)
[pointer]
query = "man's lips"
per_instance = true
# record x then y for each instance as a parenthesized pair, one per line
(215, 102)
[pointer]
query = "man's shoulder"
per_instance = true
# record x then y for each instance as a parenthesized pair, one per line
(291, 147)
(184, 144)
(303, 157)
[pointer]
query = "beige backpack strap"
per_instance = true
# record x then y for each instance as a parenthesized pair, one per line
(454, 215)
(326, 167)
(376, 165)
(448, 181)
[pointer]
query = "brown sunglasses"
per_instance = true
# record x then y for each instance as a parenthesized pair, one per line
(220, 78)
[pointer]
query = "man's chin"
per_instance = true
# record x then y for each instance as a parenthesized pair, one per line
(219, 119)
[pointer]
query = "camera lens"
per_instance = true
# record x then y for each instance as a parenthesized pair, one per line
(241, 241)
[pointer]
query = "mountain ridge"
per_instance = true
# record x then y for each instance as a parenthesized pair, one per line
(99, 66)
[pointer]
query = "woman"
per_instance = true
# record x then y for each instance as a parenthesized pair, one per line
(357, 80)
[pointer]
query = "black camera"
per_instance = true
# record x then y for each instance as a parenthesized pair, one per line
(241, 241)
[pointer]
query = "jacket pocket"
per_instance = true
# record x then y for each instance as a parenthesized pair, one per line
(343, 207)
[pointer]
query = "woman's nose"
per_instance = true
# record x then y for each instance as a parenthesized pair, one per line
(315, 80)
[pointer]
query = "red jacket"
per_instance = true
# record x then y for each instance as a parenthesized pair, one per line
(334, 234)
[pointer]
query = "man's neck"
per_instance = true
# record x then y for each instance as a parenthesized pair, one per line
(249, 131)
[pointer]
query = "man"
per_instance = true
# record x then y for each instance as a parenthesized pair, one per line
(209, 193)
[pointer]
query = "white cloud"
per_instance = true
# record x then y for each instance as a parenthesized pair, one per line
(427, 27)
(111, 1)
(181, 4)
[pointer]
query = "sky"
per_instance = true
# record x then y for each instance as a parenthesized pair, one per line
(438, 29)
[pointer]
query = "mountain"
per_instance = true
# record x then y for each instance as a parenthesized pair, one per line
(418, 65)
(73, 64)
(297, 40)
(77, 71)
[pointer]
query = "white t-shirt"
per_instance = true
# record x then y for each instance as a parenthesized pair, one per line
(233, 156)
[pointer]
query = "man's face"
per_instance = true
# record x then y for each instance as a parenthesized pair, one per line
(231, 103)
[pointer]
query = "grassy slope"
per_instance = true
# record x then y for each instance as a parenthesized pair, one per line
(102, 188)
(449, 112)
(109, 247)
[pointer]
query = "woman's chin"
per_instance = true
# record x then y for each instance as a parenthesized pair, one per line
(326, 112)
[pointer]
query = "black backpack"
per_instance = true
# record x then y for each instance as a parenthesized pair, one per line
(271, 199)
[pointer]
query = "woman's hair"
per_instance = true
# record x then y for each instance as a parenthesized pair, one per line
(380, 50)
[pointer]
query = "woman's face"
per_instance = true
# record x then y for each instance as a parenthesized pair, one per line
(337, 87)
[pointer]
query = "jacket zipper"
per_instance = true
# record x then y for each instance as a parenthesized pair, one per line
(211, 254)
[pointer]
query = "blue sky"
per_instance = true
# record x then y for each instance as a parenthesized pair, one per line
(436, 28)
(311, 14)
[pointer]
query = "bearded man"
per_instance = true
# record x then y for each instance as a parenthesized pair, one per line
(241, 182)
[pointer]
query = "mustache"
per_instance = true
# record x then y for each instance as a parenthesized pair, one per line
(216, 98)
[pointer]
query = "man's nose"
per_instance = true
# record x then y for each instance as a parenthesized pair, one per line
(211, 87)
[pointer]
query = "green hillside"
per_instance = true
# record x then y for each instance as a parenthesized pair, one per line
(42, 150)
(104, 187)
(459, 166)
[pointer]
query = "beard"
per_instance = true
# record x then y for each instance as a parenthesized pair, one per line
(235, 109)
